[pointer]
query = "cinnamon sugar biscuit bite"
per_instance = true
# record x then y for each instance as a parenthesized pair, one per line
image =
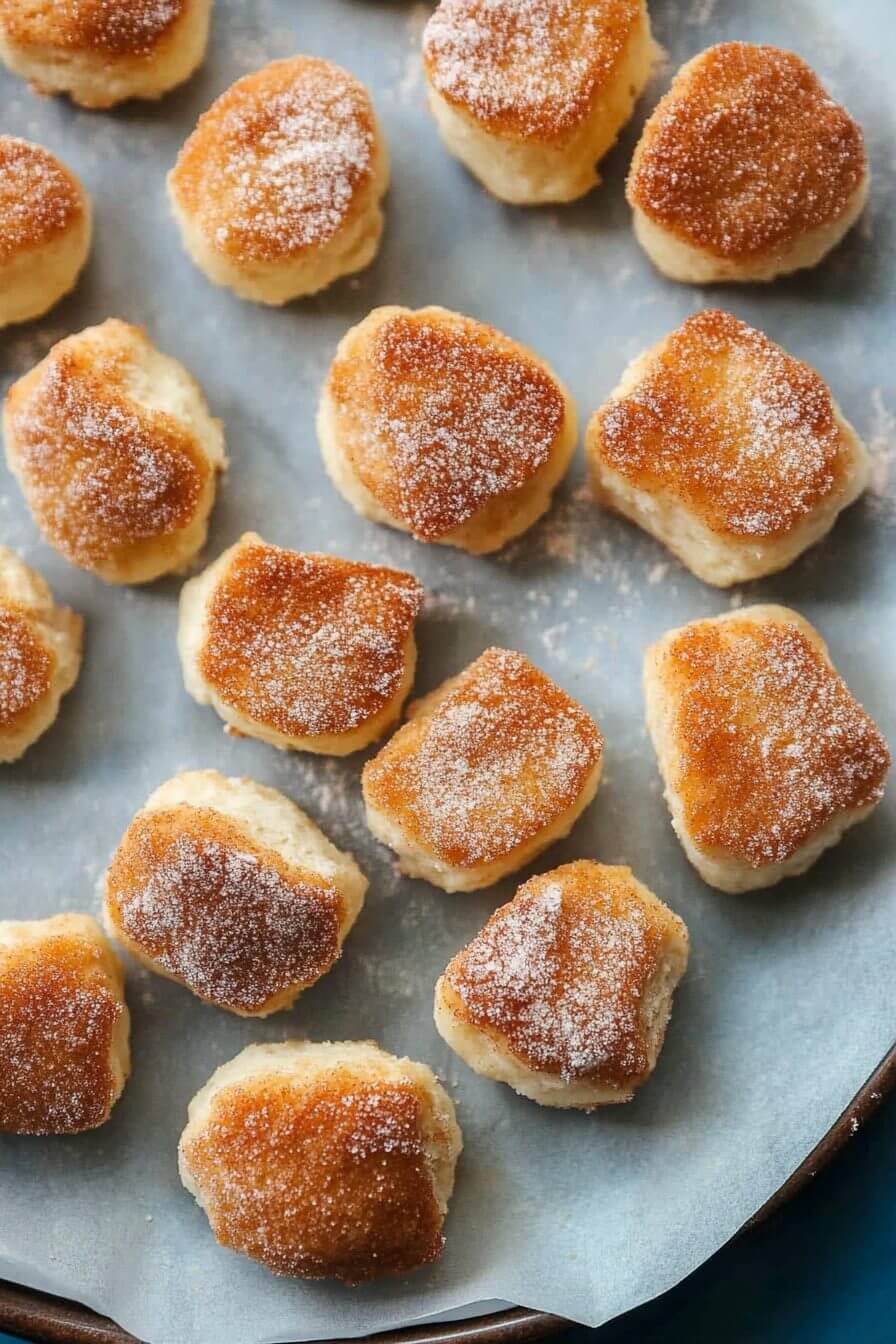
(102, 52)
(442, 427)
(725, 448)
(567, 991)
(531, 94)
(746, 170)
(45, 229)
(40, 655)
(323, 1161)
(491, 768)
(64, 1026)
(305, 651)
(277, 191)
(228, 888)
(766, 757)
(116, 453)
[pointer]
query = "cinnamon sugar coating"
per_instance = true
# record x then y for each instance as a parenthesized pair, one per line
(39, 198)
(26, 666)
(111, 27)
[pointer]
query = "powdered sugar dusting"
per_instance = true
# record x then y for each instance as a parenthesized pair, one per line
(25, 666)
(39, 199)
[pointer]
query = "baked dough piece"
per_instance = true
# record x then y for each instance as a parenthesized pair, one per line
(332, 1160)
(305, 651)
(40, 655)
(64, 1026)
(766, 757)
(442, 427)
(45, 229)
(101, 52)
(277, 191)
(746, 170)
(725, 448)
(491, 768)
(566, 992)
(228, 888)
(116, 453)
(530, 94)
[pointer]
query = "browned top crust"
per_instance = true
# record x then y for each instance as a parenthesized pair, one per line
(26, 666)
(561, 974)
(107, 27)
(746, 152)
(227, 916)
(100, 472)
(58, 1015)
(308, 644)
(740, 432)
(498, 755)
(527, 69)
(769, 745)
(39, 198)
(277, 164)
(330, 1181)
(440, 415)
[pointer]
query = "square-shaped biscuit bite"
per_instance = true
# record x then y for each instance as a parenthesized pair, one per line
(491, 768)
(731, 452)
(766, 756)
(63, 1026)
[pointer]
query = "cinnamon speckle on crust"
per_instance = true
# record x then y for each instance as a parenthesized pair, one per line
(39, 198)
(26, 666)
(117, 28)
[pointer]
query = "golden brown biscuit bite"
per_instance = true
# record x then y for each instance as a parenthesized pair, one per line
(766, 756)
(305, 651)
(747, 169)
(531, 94)
(277, 191)
(441, 426)
(45, 229)
(725, 448)
(116, 453)
(102, 52)
(566, 992)
(226, 887)
(63, 1026)
(491, 768)
(323, 1161)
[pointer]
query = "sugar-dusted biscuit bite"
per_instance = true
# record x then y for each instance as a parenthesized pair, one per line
(747, 169)
(491, 768)
(323, 1161)
(116, 453)
(277, 191)
(441, 426)
(40, 655)
(305, 651)
(531, 94)
(102, 52)
(567, 991)
(45, 229)
(64, 1026)
(225, 886)
(766, 757)
(725, 448)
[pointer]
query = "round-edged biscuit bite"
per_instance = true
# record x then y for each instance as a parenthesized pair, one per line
(330, 1160)
(566, 992)
(277, 191)
(40, 655)
(747, 169)
(225, 886)
(102, 52)
(116, 453)
(45, 229)
(531, 94)
(307, 652)
(441, 426)
(64, 1026)
(766, 757)
(725, 448)
(491, 768)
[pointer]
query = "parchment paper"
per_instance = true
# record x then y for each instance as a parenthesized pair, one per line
(789, 1001)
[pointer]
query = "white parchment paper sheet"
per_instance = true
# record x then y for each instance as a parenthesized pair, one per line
(789, 1000)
